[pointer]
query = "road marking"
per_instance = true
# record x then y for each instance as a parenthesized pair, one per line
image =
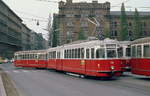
(7, 71)
(26, 71)
(23, 71)
(15, 71)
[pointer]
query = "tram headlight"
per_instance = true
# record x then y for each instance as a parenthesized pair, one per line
(112, 67)
(98, 65)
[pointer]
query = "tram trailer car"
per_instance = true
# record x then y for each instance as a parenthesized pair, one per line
(124, 53)
(91, 58)
(140, 62)
(32, 59)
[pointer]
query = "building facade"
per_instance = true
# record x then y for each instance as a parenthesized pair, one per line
(82, 16)
(26, 38)
(10, 31)
(115, 24)
(95, 19)
(15, 36)
(37, 41)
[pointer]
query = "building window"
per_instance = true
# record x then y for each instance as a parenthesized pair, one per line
(114, 24)
(144, 24)
(130, 24)
(114, 33)
(69, 23)
(129, 33)
(84, 24)
(145, 33)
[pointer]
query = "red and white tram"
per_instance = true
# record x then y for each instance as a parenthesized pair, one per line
(91, 58)
(124, 53)
(34, 59)
(140, 62)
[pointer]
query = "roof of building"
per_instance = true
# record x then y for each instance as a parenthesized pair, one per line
(118, 13)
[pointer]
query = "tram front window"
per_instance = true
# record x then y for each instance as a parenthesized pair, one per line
(111, 53)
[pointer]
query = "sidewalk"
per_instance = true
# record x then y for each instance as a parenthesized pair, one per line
(2, 89)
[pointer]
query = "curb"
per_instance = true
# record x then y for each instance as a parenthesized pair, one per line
(2, 89)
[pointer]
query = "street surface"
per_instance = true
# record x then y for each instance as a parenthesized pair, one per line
(35, 82)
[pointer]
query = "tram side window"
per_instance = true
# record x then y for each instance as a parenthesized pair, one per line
(139, 51)
(82, 52)
(46, 56)
(15, 57)
(120, 52)
(65, 54)
(28, 56)
(87, 53)
(92, 53)
(100, 53)
(58, 55)
(25, 56)
(40, 56)
(147, 51)
(128, 52)
(76, 53)
(133, 51)
(22, 56)
(111, 54)
(32, 56)
(73, 53)
(35, 56)
(51, 55)
(54, 54)
(69, 55)
(79, 53)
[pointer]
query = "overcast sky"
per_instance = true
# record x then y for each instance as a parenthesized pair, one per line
(29, 10)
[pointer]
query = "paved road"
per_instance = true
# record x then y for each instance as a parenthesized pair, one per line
(33, 82)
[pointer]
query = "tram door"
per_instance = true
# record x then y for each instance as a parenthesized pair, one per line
(88, 62)
(59, 61)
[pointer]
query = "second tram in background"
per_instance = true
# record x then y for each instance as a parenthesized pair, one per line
(32, 59)
(140, 62)
(124, 53)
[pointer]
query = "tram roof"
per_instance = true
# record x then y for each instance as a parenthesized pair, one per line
(141, 40)
(85, 43)
(124, 43)
(31, 51)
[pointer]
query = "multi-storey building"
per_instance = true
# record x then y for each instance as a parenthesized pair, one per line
(10, 31)
(14, 35)
(26, 38)
(37, 41)
(77, 17)
(94, 19)
(115, 24)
